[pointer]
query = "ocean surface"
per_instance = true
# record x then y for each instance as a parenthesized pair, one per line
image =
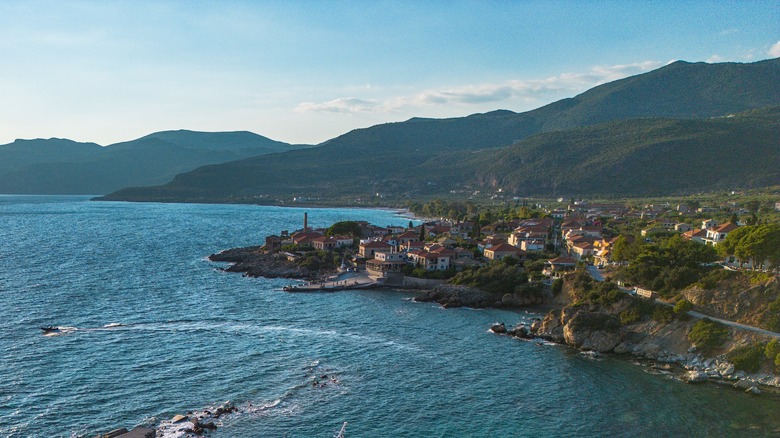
(157, 330)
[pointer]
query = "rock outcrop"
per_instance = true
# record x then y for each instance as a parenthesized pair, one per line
(449, 295)
(255, 263)
(580, 328)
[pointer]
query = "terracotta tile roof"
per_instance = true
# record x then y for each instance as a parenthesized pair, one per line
(562, 261)
(505, 247)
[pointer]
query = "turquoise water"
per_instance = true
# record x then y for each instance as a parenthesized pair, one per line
(192, 337)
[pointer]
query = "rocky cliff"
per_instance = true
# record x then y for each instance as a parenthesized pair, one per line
(624, 324)
(743, 298)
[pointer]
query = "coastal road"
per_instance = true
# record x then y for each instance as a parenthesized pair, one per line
(594, 272)
(736, 324)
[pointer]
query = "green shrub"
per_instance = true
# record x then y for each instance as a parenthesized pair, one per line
(707, 334)
(557, 286)
(747, 358)
(663, 314)
(772, 349)
(683, 306)
(770, 319)
(777, 362)
(630, 316)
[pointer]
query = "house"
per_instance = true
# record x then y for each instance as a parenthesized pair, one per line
(429, 261)
(344, 241)
(497, 252)
(406, 237)
(718, 233)
(446, 241)
(532, 245)
(682, 227)
(777, 206)
(708, 223)
(386, 265)
(695, 235)
(558, 266)
(305, 238)
(273, 243)
(411, 245)
(394, 229)
(368, 250)
(581, 249)
(324, 243)
(558, 213)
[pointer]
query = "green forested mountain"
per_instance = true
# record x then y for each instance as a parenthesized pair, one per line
(629, 157)
(58, 166)
(640, 157)
(630, 132)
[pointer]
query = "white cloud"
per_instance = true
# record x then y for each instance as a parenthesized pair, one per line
(521, 90)
(527, 90)
(340, 105)
(715, 58)
(774, 51)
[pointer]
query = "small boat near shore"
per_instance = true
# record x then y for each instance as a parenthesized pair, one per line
(50, 329)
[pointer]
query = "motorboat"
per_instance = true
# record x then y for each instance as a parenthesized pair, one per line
(50, 329)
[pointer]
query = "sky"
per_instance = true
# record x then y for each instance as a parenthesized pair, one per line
(307, 71)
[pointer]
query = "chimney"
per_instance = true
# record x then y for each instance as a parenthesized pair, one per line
(305, 222)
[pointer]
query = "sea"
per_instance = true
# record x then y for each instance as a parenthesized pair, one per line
(153, 329)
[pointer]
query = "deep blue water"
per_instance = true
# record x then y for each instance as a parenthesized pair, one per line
(193, 337)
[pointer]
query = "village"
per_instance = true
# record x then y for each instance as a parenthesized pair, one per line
(556, 241)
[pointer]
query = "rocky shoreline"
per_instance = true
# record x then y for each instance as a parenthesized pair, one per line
(587, 328)
(450, 295)
(691, 367)
(253, 262)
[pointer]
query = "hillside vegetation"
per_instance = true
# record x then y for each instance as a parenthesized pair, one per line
(632, 157)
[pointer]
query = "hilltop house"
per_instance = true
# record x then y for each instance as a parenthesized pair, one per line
(718, 233)
(497, 252)
(559, 266)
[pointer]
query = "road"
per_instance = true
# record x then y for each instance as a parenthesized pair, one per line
(596, 274)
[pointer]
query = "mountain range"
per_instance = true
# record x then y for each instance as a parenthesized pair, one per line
(682, 127)
(662, 132)
(60, 166)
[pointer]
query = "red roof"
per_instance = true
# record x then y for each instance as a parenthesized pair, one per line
(562, 261)
(376, 244)
(505, 247)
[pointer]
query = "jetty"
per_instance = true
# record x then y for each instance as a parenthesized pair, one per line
(342, 281)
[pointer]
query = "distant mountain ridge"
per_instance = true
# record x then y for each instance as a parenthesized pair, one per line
(428, 156)
(60, 166)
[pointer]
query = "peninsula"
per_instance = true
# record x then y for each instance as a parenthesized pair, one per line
(622, 279)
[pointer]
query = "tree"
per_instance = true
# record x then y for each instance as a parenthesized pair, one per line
(422, 233)
(772, 349)
(753, 205)
(682, 306)
(349, 228)
(622, 250)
